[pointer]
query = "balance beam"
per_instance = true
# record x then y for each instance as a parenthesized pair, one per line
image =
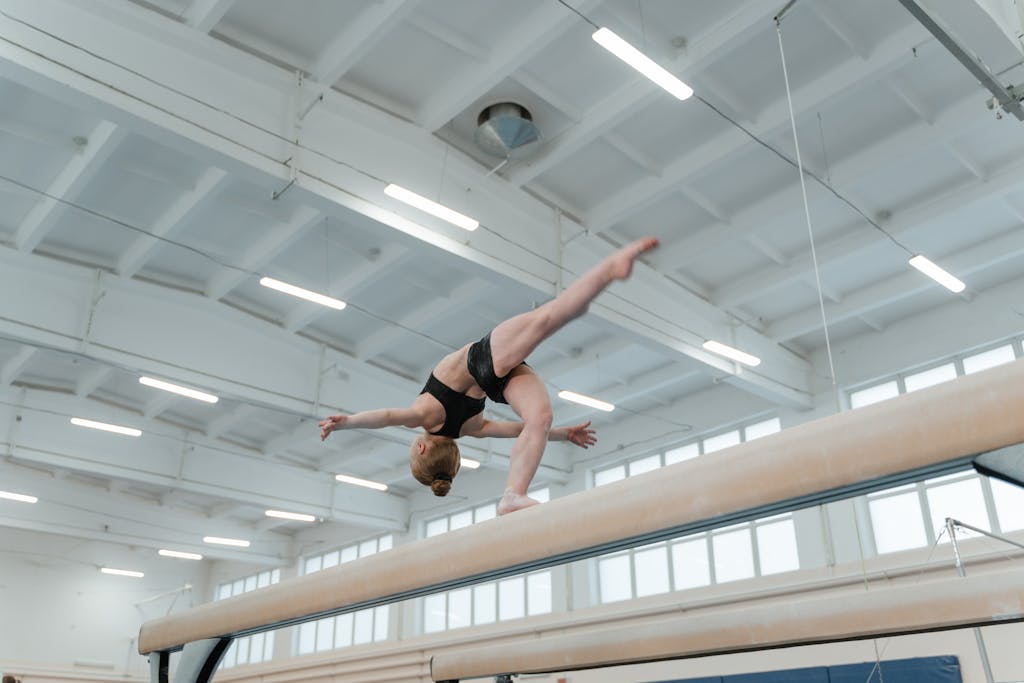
(930, 432)
(936, 605)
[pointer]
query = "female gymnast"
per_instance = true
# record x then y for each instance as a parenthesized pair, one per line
(452, 402)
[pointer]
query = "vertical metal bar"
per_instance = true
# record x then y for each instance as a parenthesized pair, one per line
(199, 660)
(982, 651)
(159, 663)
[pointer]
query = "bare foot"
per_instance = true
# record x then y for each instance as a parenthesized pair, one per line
(621, 262)
(512, 501)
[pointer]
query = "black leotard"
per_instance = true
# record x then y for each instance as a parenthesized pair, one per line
(457, 407)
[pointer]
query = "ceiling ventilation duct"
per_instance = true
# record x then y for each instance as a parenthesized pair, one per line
(507, 130)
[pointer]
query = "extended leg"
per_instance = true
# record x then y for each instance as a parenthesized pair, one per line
(515, 339)
(527, 395)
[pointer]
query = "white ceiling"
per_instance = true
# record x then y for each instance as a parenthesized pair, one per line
(142, 145)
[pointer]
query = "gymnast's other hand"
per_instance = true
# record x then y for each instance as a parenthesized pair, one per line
(331, 424)
(581, 435)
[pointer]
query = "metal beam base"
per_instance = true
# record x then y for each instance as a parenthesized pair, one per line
(1006, 464)
(198, 662)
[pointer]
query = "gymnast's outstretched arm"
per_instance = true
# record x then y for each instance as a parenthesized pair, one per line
(581, 435)
(373, 419)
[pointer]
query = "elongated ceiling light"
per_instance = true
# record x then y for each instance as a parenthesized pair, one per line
(122, 572)
(301, 293)
(179, 554)
(433, 208)
(296, 516)
(732, 353)
(177, 389)
(586, 401)
(470, 464)
(610, 41)
(936, 273)
(217, 540)
(376, 486)
(22, 498)
(103, 426)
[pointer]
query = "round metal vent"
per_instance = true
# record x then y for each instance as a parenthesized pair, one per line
(507, 130)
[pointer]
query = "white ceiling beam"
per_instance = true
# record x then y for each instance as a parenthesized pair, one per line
(357, 37)
(203, 15)
(829, 15)
(852, 242)
(726, 35)
(262, 252)
(788, 200)
(92, 380)
(559, 100)
(447, 35)
(963, 264)
(157, 405)
(641, 159)
(13, 367)
(223, 424)
(840, 80)
(520, 44)
(68, 184)
(305, 431)
(769, 250)
(173, 220)
(29, 133)
(351, 283)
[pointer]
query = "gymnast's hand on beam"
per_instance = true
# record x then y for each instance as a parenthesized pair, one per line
(581, 435)
(332, 423)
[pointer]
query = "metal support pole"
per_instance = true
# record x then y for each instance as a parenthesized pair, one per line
(982, 651)
(198, 662)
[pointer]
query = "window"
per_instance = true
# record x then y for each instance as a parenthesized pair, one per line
(364, 626)
(512, 598)
(766, 546)
(914, 515)
(255, 648)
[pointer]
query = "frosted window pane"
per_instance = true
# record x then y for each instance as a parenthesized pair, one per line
(485, 512)
(263, 579)
(459, 608)
(238, 587)
(879, 392)
(224, 591)
(307, 637)
(275, 576)
(437, 526)
(717, 443)
(256, 648)
(243, 650)
(690, 450)
(759, 429)
(343, 630)
(538, 593)
(313, 564)
(348, 554)
(651, 571)
(988, 359)
(734, 555)
(1009, 501)
(615, 578)
(485, 603)
(385, 543)
(268, 646)
(897, 523)
(540, 495)
(651, 462)
(434, 613)
(250, 583)
(460, 519)
(230, 657)
(963, 501)
(380, 622)
(776, 547)
(511, 598)
(325, 634)
(363, 631)
(609, 475)
(330, 560)
(930, 378)
(368, 547)
(690, 567)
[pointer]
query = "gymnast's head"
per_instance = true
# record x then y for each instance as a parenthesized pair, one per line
(435, 461)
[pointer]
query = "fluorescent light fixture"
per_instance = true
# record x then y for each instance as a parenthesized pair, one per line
(103, 426)
(180, 555)
(217, 540)
(297, 516)
(610, 41)
(361, 482)
(586, 401)
(180, 390)
(22, 498)
(470, 464)
(301, 293)
(433, 208)
(936, 273)
(734, 354)
(121, 572)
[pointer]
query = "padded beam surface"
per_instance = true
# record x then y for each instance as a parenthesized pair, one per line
(942, 424)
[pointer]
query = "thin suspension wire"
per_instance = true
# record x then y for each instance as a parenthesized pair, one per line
(579, 14)
(807, 214)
